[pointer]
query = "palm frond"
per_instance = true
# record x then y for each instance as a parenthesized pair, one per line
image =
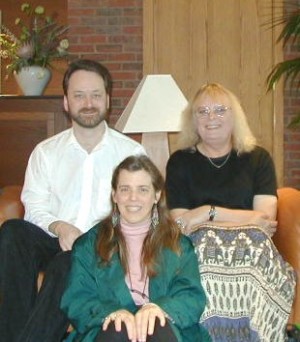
(295, 123)
(289, 69)
(291, 29)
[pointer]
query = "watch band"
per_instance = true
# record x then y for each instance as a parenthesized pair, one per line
(212, 213)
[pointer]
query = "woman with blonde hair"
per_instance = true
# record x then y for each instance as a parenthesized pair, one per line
(221, 189)
(134, 276)
(242, 138)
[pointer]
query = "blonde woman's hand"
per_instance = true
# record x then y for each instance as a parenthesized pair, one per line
(262, 219)
(269, 227)
(119, 316)
(145, 320)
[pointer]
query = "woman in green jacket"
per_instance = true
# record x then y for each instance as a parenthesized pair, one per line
(134, 277)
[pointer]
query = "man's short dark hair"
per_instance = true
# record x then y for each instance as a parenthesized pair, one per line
(88, 65)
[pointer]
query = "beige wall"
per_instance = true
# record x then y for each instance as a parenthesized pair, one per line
(229, 42)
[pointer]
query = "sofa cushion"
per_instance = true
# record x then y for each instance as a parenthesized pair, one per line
(10, 204)
(287, 237)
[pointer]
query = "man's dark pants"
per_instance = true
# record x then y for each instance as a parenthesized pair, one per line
(25, 314)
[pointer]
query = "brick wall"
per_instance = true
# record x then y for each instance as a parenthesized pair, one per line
(291, 107)
(110, 31)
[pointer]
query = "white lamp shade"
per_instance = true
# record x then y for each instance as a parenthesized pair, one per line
(155, 106)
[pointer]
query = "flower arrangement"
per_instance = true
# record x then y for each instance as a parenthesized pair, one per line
(40, 42)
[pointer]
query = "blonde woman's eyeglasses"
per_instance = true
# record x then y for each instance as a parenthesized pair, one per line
(204, 112)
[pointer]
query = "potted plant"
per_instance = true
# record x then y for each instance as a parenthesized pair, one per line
(41, 41)
(288, 69)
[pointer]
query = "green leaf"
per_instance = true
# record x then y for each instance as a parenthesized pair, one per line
(295, 123)
(289, 69)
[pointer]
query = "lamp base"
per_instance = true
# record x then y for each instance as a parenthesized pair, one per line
(157, 148)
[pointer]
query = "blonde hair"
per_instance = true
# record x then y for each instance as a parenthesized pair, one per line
(243, 139)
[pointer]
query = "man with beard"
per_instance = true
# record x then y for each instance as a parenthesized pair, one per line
(66, 191)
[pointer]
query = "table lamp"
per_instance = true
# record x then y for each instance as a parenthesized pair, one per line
(154, 110)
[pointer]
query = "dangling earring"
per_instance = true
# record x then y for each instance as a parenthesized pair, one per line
(155, 217)
(115, 217)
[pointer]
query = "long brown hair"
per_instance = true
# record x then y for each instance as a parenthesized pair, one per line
(166, 235)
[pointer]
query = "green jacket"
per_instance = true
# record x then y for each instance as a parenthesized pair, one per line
(94, 291)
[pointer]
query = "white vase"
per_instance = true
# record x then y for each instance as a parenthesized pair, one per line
(33, 80)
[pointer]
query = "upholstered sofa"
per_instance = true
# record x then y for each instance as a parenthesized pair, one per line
(10, 204)
(287, 237)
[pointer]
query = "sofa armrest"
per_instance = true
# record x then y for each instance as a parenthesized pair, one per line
(287, 236)
(10, 203)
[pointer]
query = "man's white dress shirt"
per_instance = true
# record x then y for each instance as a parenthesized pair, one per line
(64, 182)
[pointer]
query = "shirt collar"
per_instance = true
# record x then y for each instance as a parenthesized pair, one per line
(71, 139)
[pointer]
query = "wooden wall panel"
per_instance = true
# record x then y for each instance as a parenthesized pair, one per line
(19, 134)
(171, 53)
(231, 42)
(24, 122)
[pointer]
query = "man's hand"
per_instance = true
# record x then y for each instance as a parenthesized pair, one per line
(66, 233)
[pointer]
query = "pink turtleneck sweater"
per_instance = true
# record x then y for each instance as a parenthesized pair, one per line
(134, 235)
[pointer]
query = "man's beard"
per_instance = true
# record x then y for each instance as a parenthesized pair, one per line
(88, 122)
